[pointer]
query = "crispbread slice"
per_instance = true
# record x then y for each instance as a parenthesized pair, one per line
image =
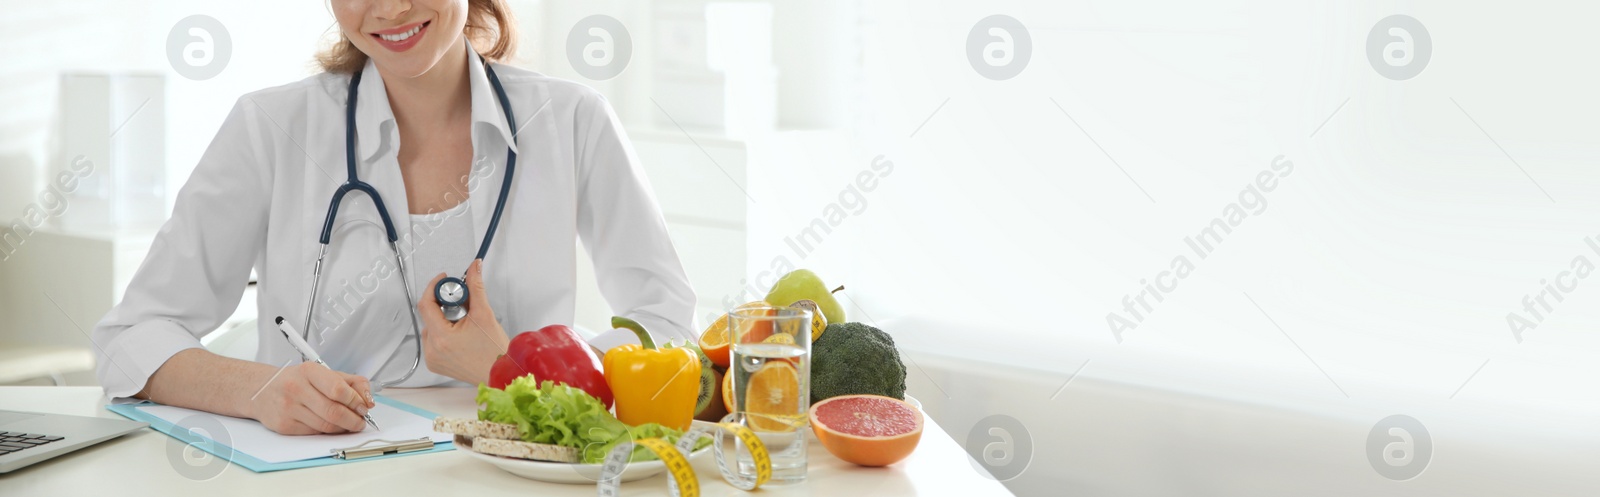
(473, 428)
(500, 439)
(524, 450)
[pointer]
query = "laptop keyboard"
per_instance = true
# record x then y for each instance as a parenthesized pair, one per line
(11, 441)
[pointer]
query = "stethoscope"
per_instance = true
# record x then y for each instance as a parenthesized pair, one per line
(451, 292)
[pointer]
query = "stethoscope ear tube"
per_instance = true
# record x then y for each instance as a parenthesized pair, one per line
(353, 180)
(338, 197)
(511, 164)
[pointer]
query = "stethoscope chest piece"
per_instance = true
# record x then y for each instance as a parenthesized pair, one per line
(451, 293)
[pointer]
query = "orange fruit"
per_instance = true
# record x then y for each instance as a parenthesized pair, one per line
(757, 330)
(727, 391)
(772, 398)
(869, 430)
(783, 339)
(714, 341)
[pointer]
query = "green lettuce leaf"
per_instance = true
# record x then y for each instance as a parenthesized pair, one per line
(557, 414)
(597, 453)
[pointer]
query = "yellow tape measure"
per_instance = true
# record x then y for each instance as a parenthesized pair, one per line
(681, 478)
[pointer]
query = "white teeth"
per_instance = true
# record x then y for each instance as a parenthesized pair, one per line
(402, 36)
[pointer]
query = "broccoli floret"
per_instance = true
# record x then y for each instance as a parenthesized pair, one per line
(853, 358)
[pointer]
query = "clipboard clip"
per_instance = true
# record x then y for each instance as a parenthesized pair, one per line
(383, 447)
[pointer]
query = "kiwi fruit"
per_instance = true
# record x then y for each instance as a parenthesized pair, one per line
(710, 384)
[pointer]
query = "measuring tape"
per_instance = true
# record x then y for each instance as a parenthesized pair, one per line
(681, 478)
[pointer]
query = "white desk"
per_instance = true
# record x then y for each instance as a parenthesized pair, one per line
(139, 464)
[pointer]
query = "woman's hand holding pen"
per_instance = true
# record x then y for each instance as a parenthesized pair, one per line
(308, 399)
(465, 349)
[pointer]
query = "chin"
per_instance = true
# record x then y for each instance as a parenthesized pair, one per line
(407, 66)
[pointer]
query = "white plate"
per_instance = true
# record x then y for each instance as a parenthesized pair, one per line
(579, 474)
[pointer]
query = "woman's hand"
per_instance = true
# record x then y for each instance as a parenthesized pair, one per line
(308, 398)
(465, 349)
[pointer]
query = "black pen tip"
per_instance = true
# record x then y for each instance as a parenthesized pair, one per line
(279, 320)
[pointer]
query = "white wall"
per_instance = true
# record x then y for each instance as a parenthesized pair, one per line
(271, 46)
(1377, 279)
(56, 285)
(1393, 252)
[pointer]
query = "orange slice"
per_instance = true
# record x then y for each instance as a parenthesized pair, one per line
(783, 339)
(727, 391)
(772, 398)
(714, 341)
(753, 331)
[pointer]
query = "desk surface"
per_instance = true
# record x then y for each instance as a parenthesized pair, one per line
(142, 463)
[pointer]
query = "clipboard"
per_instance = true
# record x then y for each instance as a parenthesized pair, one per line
(375, 448)
(370, 450)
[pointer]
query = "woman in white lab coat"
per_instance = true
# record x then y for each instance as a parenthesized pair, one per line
(432, 139)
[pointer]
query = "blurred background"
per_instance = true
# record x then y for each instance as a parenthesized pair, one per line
(1128, 248)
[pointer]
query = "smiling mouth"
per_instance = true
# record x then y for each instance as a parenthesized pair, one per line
(402, 40)
(405, 35)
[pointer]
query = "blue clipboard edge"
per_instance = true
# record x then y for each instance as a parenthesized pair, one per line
(131, 411)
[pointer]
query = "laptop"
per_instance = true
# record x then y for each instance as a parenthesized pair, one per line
(31, 437)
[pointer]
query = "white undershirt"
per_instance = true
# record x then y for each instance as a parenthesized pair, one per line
(441, 242)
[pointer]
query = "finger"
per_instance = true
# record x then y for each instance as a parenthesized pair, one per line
(328, 416)
(478, 301)
(338, 402)
(363, 386)
(336, 387)
(307, 415)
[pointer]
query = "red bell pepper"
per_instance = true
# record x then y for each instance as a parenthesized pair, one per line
(554, 353)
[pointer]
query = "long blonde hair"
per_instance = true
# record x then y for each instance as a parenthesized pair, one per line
(490, 27)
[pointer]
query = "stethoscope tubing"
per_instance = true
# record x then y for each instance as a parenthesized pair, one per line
(353, 182)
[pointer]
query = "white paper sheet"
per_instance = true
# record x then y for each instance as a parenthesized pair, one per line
(250, 437)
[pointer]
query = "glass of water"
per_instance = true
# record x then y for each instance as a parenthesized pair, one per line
(771, 370)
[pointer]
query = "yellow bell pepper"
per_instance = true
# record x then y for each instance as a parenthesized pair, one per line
(652, 385)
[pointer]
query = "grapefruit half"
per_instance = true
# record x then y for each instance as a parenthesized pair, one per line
(869, 430)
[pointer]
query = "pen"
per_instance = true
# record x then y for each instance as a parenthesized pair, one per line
(305, 350)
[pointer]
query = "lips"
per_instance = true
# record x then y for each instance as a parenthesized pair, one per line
(402, 38)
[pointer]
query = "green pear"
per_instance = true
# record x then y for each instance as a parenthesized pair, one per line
(802, 284)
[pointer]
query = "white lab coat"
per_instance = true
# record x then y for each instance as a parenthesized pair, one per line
(260, 193)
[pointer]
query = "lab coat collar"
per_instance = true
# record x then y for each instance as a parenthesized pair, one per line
(372, 112)
(485, 104)
(374, 117)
